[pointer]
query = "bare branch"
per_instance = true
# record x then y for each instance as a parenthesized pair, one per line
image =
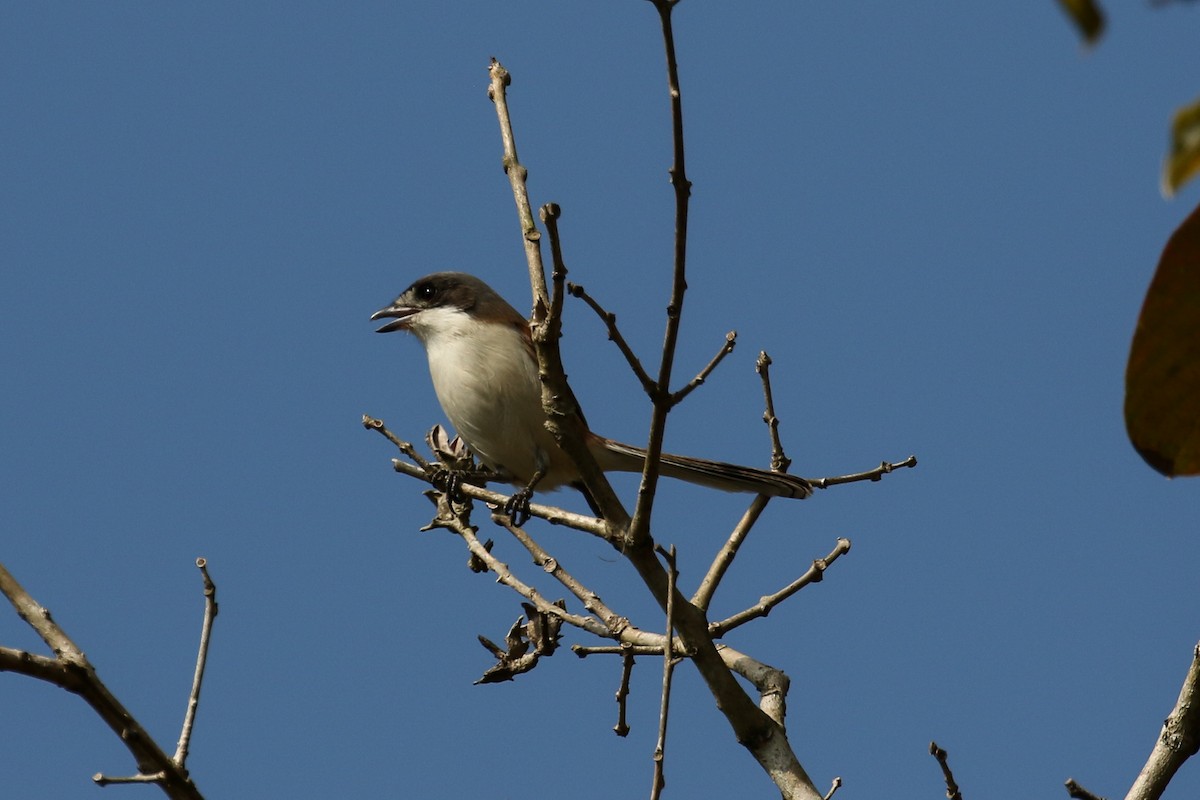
(517, 174)
(1078, 792)
(591, 601)
(772, 684)
(837, 784)
(952, 792)
(870, 475)
(814, 574)
(779, 460)
(614, 335)
(506, 577)
(373, 424)
(210, 614)
(639, 527)
(550, 214)
(583, 651)
(71, 670)
(726, 349)
(664, 708)
(724, 558)
(562, 410)
(1178, 741)
(428, 472)
(627, 660)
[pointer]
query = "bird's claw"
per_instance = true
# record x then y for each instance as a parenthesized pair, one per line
(449, 480)
(517, 508)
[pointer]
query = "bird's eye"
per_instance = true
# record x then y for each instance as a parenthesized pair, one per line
(426, 291)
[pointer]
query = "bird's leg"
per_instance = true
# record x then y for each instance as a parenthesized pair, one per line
(517, 506)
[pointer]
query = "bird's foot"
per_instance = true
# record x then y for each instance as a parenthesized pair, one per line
(448, 480)
(517, 507)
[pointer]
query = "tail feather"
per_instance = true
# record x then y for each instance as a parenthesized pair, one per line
(713, 474)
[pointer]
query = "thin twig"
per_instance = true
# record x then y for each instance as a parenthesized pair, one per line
(627, 661)
(837, 784)
(373, 424)
(550, 214)
(552, 514)
(1078, 792)
(71, 670)
(639, 528)
(952, 792)
(506, 577)
(726, 349)
(724, 557)
(779, 460)
(583, 651)
(590, 600)
(517, 175)
(614, 334)
(870, 475)
(210, 614)
(660, 747)
(763, 607)
(562, 410)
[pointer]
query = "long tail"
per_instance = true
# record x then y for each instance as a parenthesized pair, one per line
(714, 474)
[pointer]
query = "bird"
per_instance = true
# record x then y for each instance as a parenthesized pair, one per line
(485, 374)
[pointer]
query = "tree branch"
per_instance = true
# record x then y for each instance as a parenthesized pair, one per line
(814, 574)
(664, 708)
(702, 376)
(639, 526)
(210, 614)
(1178, 741)
(875, 474)
(952, 792)
(71, 670)
(614, 335)
(517, 174)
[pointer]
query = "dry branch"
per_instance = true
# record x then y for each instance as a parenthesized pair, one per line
(70, 669)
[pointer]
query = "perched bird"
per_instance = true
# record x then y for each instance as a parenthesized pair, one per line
(485, 373)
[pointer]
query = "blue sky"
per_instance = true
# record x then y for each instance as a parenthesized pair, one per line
(938, 218)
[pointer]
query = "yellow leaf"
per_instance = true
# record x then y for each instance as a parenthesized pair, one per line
(1184, 160)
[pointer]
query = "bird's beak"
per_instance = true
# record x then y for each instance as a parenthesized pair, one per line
(399, 314)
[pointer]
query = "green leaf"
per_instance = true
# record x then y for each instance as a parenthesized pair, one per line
(1184, 160)
(1162, 380)
(1087, 17)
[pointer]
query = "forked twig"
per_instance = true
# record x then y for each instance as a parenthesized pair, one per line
(590, 600)
(779, 462)
(70, 670)
(639, 527)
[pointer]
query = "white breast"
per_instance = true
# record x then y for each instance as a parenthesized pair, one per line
(488, 387)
